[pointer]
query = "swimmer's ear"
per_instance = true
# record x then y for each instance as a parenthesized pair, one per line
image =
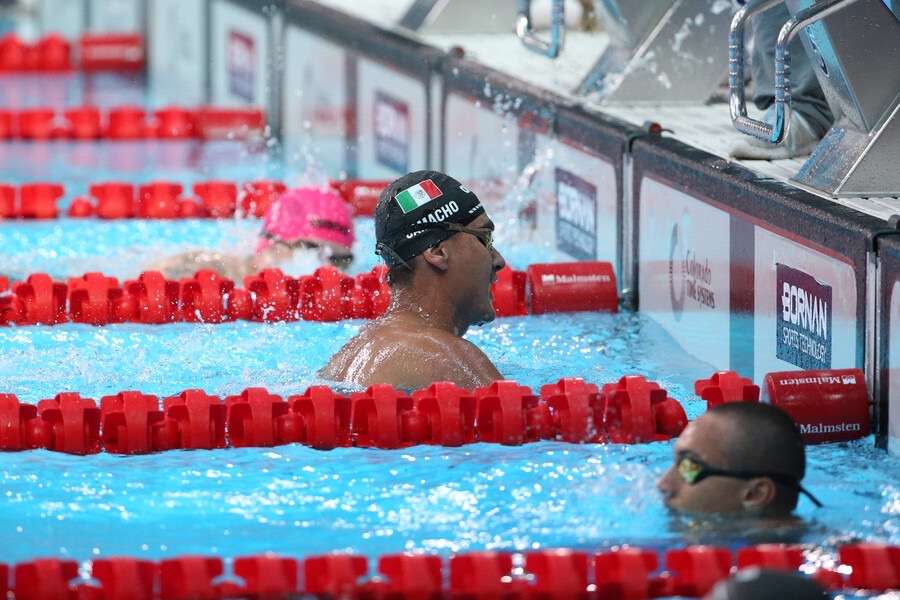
(436, 256)
(759, 493)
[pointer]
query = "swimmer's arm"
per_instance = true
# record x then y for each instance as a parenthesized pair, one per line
(185, 265)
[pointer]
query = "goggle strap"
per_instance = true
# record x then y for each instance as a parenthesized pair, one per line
(381, 249)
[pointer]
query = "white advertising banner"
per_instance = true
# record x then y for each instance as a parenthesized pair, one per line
(392, 116)
(893, 382)
(116, 16)
(64, 17)
(684, 271)
(239, 56)
(585, 200)
(805, 308)
(315, 104)
(176, 45)
(481, 144)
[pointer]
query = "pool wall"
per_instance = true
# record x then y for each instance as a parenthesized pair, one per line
(716, 253)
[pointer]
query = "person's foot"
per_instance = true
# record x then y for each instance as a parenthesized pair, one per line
(800, 141)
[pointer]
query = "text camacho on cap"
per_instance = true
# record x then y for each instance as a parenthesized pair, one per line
(411, 210)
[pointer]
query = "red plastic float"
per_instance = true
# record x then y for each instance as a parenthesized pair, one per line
(277, 296)
(375, 286)
(726, 386)
(449, 413)
(37, 124)
(509, 292)
(19, 424)
(260, 419)
(324, 295)
(380, 418)
(83, 123)
(238, 123)
(481, 575)
(770, 556)
(334, 575)
(510, 414)
(258, 196)
(627, 574)
(219, 198)
(111, 52)
(8, 202)
(558, 574)
(829, 405)
(326, 417)
(37, 301)
(71, 424)
(156, 298)
(91, 298)
(124, 577)
(54, 54)
(127, 422)
(159, 200)
(80, 208)
(577, 410)
(203, 297)
(638, 410)
(874, 566)
(412, 576)
(44, 578)
(115, 200)
(696, 569)
(573, 286)
(362, 196)
(189, 577)
(267, 576)
(12, 53)
(38, 200)
(174, 122)
(126, 123)
(195, 421)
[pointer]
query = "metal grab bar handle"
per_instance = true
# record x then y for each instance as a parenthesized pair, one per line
(557, 29)
(775, 132)
(737, 91)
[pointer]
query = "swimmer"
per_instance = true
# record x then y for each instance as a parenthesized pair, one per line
(743, 458)
(305, 226)
(754, 583)
(437, 242)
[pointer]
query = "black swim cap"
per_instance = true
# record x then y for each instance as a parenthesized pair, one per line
(411, 210)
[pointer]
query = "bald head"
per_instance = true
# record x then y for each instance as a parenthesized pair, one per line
(758, 584)
(761, 437)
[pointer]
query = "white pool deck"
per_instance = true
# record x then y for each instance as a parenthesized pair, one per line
(704, 126)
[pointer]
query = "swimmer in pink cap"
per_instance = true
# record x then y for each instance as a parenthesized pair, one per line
(307, 217)
(312, 221)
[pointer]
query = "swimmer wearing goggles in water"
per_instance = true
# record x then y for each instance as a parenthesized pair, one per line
(305, 228)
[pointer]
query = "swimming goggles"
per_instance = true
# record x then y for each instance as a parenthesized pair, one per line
(694, 471)
(485, 235)
(338, 260)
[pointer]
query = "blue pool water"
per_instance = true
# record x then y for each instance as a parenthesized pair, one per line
(298, 501)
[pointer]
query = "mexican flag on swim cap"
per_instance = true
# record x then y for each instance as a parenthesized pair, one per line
(410, 211)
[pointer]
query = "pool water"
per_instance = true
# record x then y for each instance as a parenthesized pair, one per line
(298, 501)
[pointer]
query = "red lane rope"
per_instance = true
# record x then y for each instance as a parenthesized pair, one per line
(54, 54)
(161, 199)
(271, 296)
(632, 410)
(89, 123)
(625, 572)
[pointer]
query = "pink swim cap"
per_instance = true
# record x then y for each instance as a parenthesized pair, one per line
(317, 214)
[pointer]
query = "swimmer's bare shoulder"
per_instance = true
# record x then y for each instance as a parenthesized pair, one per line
(186, 264)
(410, 357)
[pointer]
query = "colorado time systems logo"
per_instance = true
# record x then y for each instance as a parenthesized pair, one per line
(689, 278)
